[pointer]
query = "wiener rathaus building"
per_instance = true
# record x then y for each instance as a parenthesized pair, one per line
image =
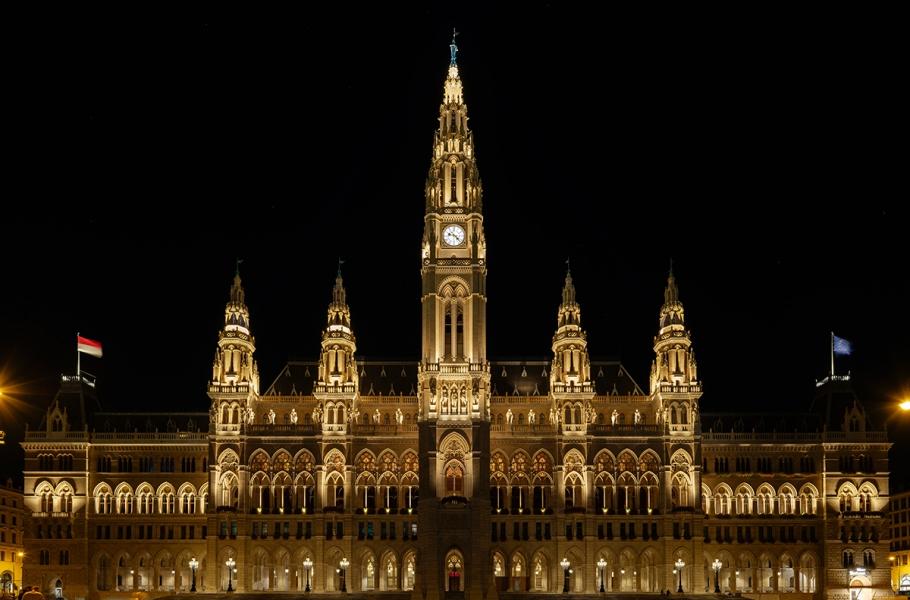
(454, 475)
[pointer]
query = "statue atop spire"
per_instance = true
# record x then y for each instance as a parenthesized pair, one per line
(453, 47)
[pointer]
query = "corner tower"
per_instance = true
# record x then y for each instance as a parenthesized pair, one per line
(454, 374)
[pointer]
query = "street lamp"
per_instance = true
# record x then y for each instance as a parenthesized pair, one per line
(194, 564)
(603, 573)
(564, 563)
(716, 565)
(679, 564)
(307, 564)
(344, 564)
(230, 565)
(905, 405)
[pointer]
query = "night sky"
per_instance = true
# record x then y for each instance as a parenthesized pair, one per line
(760, 152)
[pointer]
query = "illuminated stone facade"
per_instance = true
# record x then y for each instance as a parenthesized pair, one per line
(899, 557)
(454, 472)
(12, 526)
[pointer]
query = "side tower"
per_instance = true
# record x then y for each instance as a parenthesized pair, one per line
(336, 391)
(337, 382)
(454, 374)
(675, 391)
(570, 371)
(234, 392)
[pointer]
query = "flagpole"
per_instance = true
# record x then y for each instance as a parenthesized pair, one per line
(78, 365)
(832, 355)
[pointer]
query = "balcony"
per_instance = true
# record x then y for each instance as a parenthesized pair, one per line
(629, 430)
(285, 429)
(198, 436)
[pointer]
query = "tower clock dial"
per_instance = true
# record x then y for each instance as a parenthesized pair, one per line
(453, 235)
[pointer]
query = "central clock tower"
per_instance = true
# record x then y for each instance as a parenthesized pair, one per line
(454, 374)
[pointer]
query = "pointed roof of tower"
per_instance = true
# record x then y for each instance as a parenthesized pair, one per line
(237, 295)
(568, 289)
(338, 293)
(671, 293)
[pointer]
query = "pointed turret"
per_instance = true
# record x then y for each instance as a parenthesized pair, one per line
(337, 383)
(570, 372)
(234, 388)
(675, 388)
(337, 366)
(675, 360)
(234, 363)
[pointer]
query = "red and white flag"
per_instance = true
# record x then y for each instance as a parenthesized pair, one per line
(88, 346)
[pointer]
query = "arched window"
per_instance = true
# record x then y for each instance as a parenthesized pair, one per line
(454, 476)
(454, 572)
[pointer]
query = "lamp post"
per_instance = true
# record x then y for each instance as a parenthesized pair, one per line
(194, 564)
(344, 565)
(230, 565)
(603, 573)
(564, 563)
(716, 565)
(307, 565)
(679, 564)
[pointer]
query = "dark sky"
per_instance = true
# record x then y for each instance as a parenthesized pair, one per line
(760, 151)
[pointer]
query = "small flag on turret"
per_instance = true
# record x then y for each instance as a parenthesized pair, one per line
(88, 346)
(842, 346)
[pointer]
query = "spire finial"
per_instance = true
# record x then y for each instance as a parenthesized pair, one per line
(568, 267)
(453, 47)
(237, 267)
(340, 262)
(671, 294)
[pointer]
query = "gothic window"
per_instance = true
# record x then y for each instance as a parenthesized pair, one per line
(447, 329)
(459, 332)
(454, 476)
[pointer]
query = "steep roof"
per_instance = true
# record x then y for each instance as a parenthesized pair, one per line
(507, 378)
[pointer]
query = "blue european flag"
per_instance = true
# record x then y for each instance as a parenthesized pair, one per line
(842, 346)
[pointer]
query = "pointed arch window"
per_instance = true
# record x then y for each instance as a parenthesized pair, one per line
(454, 479)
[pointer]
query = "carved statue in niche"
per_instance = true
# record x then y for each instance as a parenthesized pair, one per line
(399, 416)
(637, 416)
(509, 416)
(293, 416)
(271, 417)
(532, 418)
(614, 417)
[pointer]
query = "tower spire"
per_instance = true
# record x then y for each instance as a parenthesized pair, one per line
(671, 293)
(568, 289)
(675, 358)
(234, 363)
(337, 381)
(453, 180)
(237, 295)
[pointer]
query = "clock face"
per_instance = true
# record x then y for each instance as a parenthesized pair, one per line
(453, 235)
